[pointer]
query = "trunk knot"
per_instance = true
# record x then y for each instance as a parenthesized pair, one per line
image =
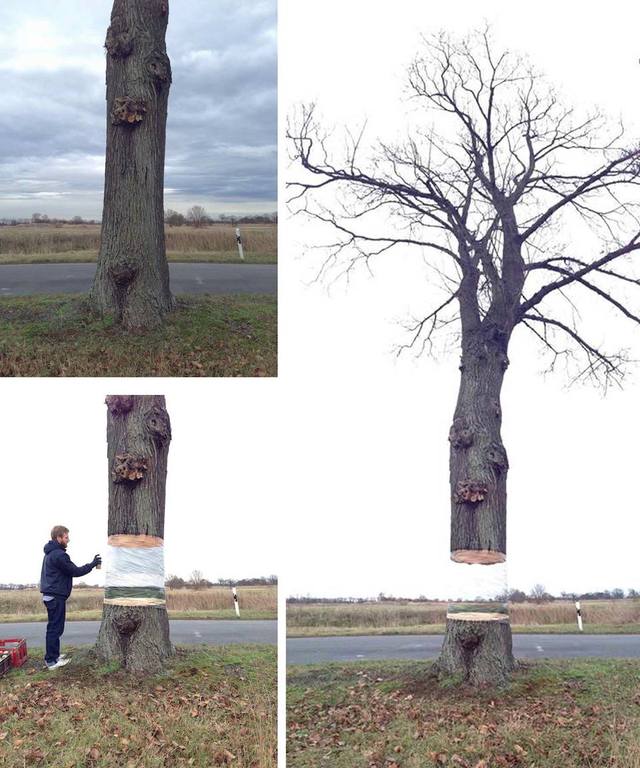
(470, 492)
(119, 42)
(128, 623)
(470, 642)
(497, 457)
(128, 468)
(128, 111)
(460, 434)
(159, 67)
(123, 273)
(157, 423)
(118, 405)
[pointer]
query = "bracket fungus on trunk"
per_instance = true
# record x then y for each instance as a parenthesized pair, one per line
(470, 492)
(128, 468)
(128, 110)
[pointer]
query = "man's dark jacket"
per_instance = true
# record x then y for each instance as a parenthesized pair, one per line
(58, 570)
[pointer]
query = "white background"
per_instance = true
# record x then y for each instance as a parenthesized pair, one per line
(53, 455)
(367, 479)
(335, 476)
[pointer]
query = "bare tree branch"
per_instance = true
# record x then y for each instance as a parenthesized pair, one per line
(500, 172)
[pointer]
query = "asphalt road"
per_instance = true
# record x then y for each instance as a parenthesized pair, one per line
(27, 279)
(183, 632)
(317, 650)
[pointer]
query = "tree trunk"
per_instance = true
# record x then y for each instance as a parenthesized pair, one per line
(479, 651)
(135, 627)
(132, 277)
(477, 642)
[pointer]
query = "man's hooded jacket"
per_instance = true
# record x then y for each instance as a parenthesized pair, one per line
(58, 570)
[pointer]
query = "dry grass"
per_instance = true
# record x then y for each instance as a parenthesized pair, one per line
(214, 706)
(570, 714)
(204, 336)
(351, 618)
(255, 602)
(81, 243)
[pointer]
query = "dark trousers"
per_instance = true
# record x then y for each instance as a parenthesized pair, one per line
(56, 610)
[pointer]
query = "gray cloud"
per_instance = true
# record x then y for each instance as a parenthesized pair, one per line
(221, 133)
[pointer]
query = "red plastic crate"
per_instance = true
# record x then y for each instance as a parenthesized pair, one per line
(5, 663)
(16, 648)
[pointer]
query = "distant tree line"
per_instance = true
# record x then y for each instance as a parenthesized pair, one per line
(44, 220)
(197, 581)
(538, 594)
(197, 216)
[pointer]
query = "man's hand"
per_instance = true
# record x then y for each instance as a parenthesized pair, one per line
(97, 561)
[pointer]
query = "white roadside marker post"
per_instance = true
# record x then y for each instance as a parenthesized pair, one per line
(578, 615)
(235, 601)
(239, 241)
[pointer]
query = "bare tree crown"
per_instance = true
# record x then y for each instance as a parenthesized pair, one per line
(502, 176)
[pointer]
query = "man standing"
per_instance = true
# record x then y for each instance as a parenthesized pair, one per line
(55, 584)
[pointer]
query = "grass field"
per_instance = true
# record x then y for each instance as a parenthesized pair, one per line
(380, 618)
(210, 603)
(215, 706)
(80, 243)
(570, 714)
(204, 336)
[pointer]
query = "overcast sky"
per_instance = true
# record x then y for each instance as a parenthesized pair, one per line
(370, 477)
(54, 452)
(221, 133)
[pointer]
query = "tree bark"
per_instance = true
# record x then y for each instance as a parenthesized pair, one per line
(132, 277)
(135, 630)
(479, 651)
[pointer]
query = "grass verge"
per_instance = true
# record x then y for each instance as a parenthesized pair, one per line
(575, 714)
(91, 257)
(204, 336)
(438, 629)
(214, 706)
(96, 615)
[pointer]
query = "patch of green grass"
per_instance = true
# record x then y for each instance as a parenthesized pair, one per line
(204, 336)
(96, 615)
(438, 629)
(91, 257)
(213, 706)
(582, 713)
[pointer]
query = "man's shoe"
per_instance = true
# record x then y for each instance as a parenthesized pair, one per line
(62, 656)
(58, 664)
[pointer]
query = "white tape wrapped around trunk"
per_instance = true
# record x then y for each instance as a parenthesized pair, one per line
(476, 582)
(477, 591)
(135, 567)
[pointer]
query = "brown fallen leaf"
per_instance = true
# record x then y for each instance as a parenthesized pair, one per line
(223, 757)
